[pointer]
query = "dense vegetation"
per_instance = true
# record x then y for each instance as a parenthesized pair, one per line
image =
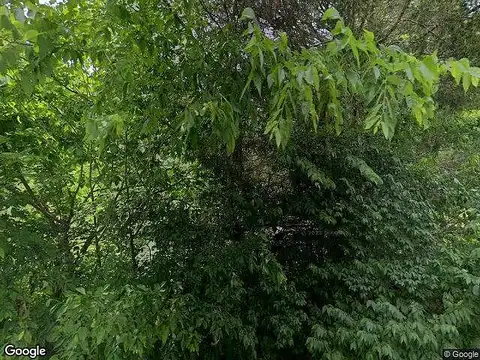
(193, 179)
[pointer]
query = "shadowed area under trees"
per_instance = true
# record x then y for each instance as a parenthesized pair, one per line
(195, 179)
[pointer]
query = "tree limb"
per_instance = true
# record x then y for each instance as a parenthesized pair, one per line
(368, 12)
(83, 96)
(95, 224)
(36, 203)
(394, 26)
(210, 15)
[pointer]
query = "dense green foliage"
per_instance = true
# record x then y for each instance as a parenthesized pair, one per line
(207, 180)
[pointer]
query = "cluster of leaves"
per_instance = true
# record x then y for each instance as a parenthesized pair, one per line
(409, 308)
(383, 80)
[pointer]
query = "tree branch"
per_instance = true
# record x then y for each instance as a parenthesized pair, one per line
(430, 31)
(394, 26)
(210, 15)
(95, 224)
(83, 96)
(36, 203)
(49, 104)
(175, 15)
(368, 12)
(474, 9)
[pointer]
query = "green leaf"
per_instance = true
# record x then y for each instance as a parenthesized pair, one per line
(6, 23)
(418, 113)
(331, 13)
(309, 78)
(475, 78)
(278, 136)
(260, 54)
(427, 73)
(247, 85)
(376, 72)
(117, 124)
(364, 169)
(372, 118)
(31, 34)
(300, 76)
(316, 78)
(368, 36)
(430, 63)
(28, 84)
(248, 14)
(100, 334)
(371, 121)
(230, 143)
(354, 48)
(281, 76)
(332, 47)
(257, 80)
(464, 65)
(81, 290)
(455, 71)
(164, 332)
(475, 74)
(272, 123)
(354, 80)
(45, 46)
(466, 81)
(393, 79)
(388, 129)
(408, 71)
(269, 80)
(283, 43)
